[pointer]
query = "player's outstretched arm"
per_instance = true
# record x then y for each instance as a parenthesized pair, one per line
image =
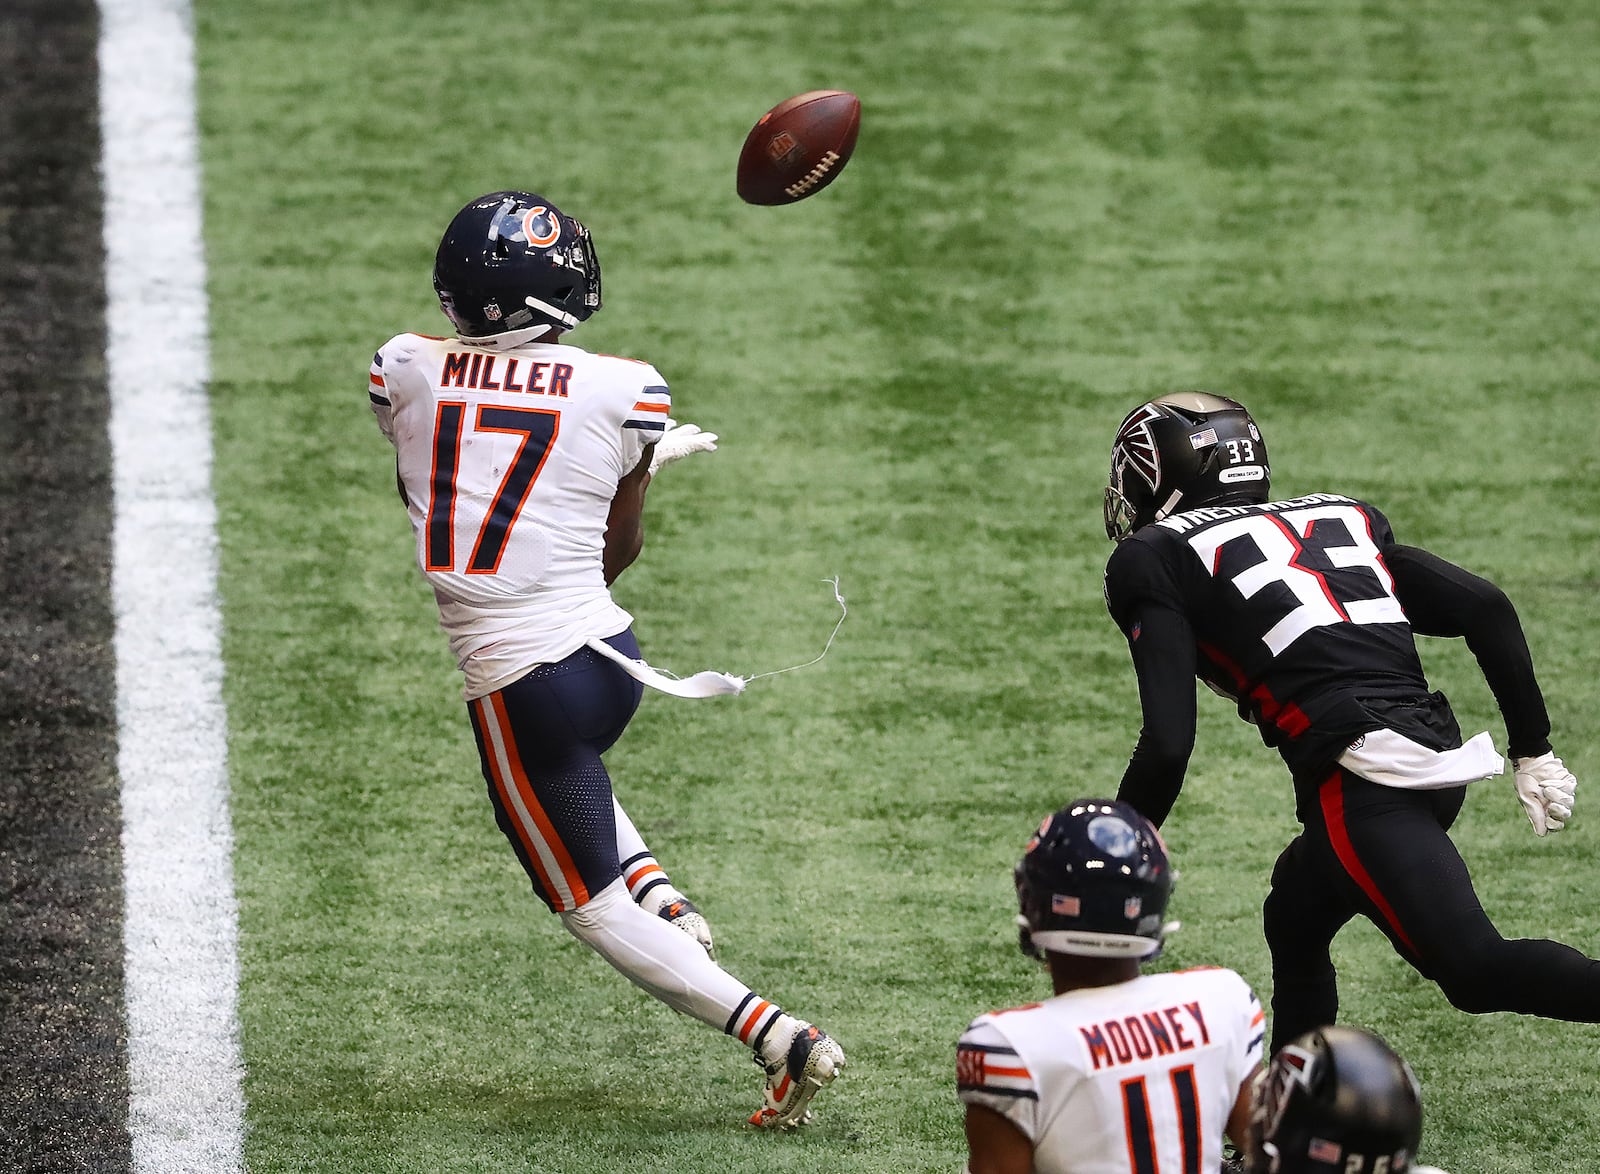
(678, 441)
(625, 522)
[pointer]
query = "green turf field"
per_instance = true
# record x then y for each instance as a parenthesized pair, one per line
(1374, 222)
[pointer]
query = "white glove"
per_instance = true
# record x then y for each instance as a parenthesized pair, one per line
(1546, 788)
(679, 440)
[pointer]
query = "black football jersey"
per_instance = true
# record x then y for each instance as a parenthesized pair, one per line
(1294, 613)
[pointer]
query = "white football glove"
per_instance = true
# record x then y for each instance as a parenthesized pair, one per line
(1546, 788)
(678, 441)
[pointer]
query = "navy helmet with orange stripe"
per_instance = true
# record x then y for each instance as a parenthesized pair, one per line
(1180, 451)
(511, 266)
(1094, 881)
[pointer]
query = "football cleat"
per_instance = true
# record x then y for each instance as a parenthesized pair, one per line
(685, 916)
(814, 1059)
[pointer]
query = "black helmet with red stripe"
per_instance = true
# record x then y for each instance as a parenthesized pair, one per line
(1180, 451)
(1337, 1100)
(511, 266)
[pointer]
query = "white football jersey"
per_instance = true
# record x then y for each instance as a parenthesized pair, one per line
(1125, 1079)
(508, 462)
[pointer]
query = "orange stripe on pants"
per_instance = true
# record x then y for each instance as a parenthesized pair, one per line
(530, 849)
(569, 870)
(542, 828)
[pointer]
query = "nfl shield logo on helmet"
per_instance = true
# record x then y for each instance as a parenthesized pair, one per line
(491, 311)
(1132, 907)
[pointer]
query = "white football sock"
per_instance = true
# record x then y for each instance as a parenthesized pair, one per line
(669, 964)
(648, 883)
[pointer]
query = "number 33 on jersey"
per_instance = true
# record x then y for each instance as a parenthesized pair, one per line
(1286, 598)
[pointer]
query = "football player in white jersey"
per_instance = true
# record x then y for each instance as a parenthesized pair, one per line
(523, 463)
(1120, 1072)
(1337, 1100)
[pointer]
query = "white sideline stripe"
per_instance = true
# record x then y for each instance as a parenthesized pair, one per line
(180, 937)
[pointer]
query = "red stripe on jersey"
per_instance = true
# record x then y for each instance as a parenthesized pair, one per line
(377, 379)
(1290, 718)
(641, 406)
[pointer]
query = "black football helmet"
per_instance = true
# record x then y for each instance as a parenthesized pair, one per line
(1094, 880)
(512, 265)
(1337, 1100)
(1180, 451)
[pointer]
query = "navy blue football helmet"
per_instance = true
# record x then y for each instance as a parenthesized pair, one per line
(1180, 451)
(512, 265)
(1337, 1100)
(1094, 881)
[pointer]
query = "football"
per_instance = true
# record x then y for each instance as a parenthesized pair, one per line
(798, 147)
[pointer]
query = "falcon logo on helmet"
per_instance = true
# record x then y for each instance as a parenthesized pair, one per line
(1179, 452)
(1135, 448)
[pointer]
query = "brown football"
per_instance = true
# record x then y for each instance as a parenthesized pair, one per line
(798, 147)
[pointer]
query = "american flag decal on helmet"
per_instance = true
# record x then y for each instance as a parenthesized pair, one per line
(1320, 1149)
(1135, 448)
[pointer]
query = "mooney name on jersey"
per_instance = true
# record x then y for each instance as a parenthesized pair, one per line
(1122, 1079)
(508, 461)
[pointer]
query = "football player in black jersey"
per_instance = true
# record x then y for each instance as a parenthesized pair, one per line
(1336, 1099)
(1303, 613)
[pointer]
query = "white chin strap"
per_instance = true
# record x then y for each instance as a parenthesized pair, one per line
(561, 316)
(1171, 504)
(508, 339)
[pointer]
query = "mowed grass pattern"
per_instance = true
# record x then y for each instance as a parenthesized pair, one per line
(1376, 223)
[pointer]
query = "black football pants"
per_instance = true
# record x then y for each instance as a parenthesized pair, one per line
(1386, 853)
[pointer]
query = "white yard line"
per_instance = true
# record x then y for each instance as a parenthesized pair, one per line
(186, 1110)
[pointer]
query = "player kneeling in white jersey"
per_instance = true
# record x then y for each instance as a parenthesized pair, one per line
(1120, 1072)
(1337, 1100)
(523, 463)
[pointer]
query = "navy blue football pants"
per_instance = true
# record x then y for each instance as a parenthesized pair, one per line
(1386, 853)
(539, 743)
